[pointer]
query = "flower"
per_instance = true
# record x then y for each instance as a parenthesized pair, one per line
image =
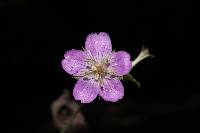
(98, 69)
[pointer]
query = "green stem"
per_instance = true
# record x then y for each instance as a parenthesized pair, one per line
(69, 122)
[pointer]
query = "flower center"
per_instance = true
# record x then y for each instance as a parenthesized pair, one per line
(99, 69)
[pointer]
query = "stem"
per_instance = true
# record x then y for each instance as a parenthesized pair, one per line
(131, 78)
(69, 122)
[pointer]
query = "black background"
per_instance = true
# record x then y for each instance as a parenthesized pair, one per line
(34, 35)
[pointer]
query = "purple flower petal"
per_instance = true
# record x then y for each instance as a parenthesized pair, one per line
(98, 44)
(121, 63)
(112, 91)
(86, 90)
(74, 62)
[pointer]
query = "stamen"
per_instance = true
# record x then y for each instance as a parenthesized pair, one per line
(85, 78)
(112, 76)
(88, 67)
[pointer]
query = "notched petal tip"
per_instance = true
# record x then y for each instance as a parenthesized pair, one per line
(98, 44)
(143, 54)
(91, 35)
(98, 34)
(103, 34)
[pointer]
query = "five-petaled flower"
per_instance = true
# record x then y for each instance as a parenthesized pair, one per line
(98, 69)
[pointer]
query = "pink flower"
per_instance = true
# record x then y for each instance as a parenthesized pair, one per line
(98, 69)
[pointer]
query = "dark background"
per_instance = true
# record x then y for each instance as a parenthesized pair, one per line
(34, 35)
